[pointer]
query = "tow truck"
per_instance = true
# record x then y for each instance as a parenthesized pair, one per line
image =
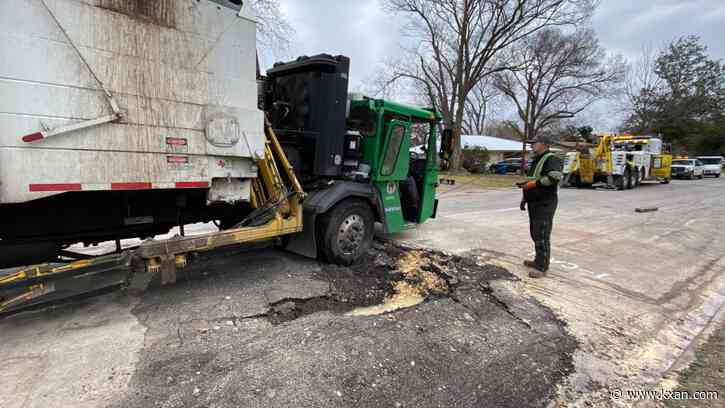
(621, 161)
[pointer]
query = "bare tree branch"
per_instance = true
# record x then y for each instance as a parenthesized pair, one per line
(459, 42)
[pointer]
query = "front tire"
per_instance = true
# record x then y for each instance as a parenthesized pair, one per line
(346, 232)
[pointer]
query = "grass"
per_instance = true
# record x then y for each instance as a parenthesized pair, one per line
(707, 373)
(483, 180)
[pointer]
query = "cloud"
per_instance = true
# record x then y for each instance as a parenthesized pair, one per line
(625, 26)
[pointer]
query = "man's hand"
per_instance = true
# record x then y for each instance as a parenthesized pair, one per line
(522, 206)
(528, 186)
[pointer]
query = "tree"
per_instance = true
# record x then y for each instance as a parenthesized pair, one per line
(478, 108)
(557, 76)
(687, 104)
(641, 85)
(273, 30)
(458, 41)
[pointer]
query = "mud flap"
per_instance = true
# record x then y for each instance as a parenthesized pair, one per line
(305, 243)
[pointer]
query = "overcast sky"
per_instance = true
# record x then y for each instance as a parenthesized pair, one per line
(367, 34)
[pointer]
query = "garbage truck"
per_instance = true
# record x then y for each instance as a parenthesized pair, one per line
(125, 119)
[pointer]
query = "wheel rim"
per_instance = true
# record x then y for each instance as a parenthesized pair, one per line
(351, 234)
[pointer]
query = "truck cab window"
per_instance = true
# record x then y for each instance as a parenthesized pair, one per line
(391, 155)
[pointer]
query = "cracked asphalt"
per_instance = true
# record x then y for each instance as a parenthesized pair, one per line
(635, 289)
(265, 328)
(627, 295)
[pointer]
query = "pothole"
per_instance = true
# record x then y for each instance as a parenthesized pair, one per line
(389, 278)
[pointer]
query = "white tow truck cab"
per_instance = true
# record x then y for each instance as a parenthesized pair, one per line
(712, 165)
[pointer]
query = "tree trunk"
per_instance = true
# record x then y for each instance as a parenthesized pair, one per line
(457, 130)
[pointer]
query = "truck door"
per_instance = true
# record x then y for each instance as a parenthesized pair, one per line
(427, 168)
(392, 170)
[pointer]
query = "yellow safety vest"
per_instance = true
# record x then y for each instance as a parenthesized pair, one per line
(540, 166)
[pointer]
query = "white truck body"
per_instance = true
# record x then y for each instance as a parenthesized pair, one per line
(182, 73)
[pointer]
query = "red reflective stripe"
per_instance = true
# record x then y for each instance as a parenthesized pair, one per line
(177, 159)
(33, 137)
(56, 187)
(178, 141)
(130, 186)
(192, 184)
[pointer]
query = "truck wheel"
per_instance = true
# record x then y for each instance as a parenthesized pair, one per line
(665, 181)
(642, 175)
(717, 175)
(346, 232)
(619, 182)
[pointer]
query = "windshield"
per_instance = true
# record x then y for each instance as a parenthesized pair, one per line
(713, 160)
(683, 162)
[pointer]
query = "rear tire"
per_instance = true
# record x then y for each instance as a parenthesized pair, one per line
(717, 175)
(346, 232)
(619, 182)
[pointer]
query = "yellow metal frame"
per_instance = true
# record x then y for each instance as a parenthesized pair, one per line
(268, 189)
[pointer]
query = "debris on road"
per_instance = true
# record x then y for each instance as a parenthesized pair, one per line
(646, 209)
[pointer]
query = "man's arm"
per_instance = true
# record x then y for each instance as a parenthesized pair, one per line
(551, 174)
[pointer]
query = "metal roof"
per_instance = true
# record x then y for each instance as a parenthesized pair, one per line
(493, 144)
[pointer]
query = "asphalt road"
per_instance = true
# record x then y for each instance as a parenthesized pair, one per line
(635, 288)
(627, 294)
(265, 328)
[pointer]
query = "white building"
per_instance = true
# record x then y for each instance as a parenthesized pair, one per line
(497, 147)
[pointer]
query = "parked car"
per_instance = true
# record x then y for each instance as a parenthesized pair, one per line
(713, 165)
(512, 165)
(688, 168)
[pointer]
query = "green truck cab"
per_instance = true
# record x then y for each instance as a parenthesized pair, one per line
(360, 160)
(401, 150)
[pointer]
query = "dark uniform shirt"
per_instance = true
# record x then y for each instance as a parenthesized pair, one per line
(547, 184)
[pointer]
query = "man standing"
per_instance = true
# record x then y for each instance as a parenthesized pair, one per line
(541, 195)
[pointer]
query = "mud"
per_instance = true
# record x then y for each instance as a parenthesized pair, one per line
(161, 12)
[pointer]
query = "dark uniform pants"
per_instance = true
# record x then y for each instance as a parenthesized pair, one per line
(541, 221)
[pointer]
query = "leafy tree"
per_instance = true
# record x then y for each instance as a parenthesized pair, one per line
(687, 104)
